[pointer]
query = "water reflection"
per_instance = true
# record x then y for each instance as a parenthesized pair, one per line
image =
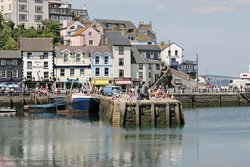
(59, 140)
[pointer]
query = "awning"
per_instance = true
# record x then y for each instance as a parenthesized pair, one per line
(123, 82)
(101, 82)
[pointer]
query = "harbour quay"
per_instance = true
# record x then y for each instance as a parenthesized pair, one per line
(130, 112)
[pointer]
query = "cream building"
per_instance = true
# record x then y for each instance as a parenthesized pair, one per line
(25, 12)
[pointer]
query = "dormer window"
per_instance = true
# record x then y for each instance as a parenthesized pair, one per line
(72, 27)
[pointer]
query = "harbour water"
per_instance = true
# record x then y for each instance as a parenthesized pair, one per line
(210, 137)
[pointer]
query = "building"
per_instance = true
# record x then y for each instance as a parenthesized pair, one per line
(171, 54)
(37, 55)
(11, 66)
(152, 52)
(86, 36)
(72, 65)
(29, 13)
(121, 49)
(80, 14)
(127, 28)
(144, 35)
(59, 11)
(101, 65)
(68, 29)
(145, 70)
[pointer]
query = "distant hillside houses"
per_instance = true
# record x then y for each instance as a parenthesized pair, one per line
(100, 52)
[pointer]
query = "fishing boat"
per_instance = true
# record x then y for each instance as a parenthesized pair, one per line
(54, 104)
(80, 102)
(7, 111)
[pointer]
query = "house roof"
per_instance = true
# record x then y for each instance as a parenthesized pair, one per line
(80, 31)
(84, 49)
(116, 38)
(138, 58)
(142, 37)
(104, 23)
(166, 45)
(10, 54)
(36, 44)
(148, 47)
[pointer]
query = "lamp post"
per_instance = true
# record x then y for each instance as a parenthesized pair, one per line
(197, 76)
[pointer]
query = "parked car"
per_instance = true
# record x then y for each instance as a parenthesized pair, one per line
(111, 90)
(60, 91)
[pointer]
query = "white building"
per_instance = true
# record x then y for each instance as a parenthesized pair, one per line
(171, 54)
(121, 48)
(37, 54)
(25, 12)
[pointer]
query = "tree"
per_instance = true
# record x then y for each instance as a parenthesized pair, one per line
(10, 44)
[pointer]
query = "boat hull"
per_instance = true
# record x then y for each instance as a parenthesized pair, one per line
(86, 104)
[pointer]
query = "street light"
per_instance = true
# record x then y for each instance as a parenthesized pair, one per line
(197, 76)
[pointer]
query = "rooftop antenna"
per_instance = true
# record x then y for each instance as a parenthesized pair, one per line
(84, 7)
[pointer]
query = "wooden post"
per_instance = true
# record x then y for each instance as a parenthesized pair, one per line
(177, 115)
(137, 114)
(153, 115)
(167, 114)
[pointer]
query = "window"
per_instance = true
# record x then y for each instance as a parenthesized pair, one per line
(46, 75)
(38, 1)
(97, 60)
(169, 52)
(159, 55)
(28, 55)
(14, 62)
(29, 66)
(149, 75)
(14, 73)
(1, 8)
(176, 52)
(45, 55)
(9, 6)
(157, 66)
(29, 75)
(9, 62)
(90, 42)
(20, 0)
(82, 72)
(121, 50)
(106, 71)
(38, 17)
(62, 72)
(72, 72)
(23, 8)
(106, 60)
(97, 72)
(121, 62)
(140, 66)
(144, 54)
(4, 74)
(65, 57)
(121, 73)
(23, 17)
(3, 62)
(45, 65)
(140, 74)
(38, 9)
(151, 55)
(78, 57)
(149, 67)
(90, 33)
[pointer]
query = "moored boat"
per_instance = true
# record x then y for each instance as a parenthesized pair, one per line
(7, 111)
(84, 103)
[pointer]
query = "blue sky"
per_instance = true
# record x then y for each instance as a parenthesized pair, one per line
(217, 30)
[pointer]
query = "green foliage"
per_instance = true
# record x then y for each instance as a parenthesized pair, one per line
(10, 34)
(10, 44)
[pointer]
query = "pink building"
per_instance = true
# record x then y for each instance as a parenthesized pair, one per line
(86, 36)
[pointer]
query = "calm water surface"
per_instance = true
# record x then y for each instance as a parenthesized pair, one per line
(211, 137)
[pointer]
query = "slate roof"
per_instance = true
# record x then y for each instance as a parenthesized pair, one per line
(36, 44)
(10, 54)
(104, 22)
(137, 58)
(117, 39)
(85, 49)
(148, 47)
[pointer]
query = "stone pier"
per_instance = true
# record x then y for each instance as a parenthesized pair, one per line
(155, 112)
